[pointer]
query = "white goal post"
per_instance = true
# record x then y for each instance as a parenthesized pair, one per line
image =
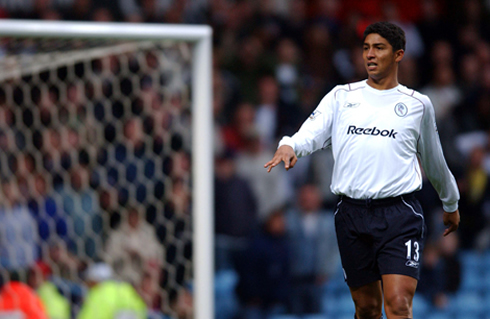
(202, 146)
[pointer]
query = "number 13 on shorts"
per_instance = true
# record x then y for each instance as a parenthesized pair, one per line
(415, 247)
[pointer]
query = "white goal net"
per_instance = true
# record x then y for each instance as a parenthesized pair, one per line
(97, 144)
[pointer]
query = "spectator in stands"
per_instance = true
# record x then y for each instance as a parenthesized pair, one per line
(107, 297)
(432, 26)
(267, 113)
(81, 206)
(442, 89)
(320, 174)
(76, 105)
(18, 230)
(409, 73)
(19, 301)
(143, 10)
(270, 190)
(445, 96)
(226, 89)
(43, 206)
(466, 112)
(80, 10)
(415, 45)
(150, 291)
(318, 54)
(180, 198)
(124, 251)
(139, 168)
(55, 304)
(40, 8)
(102, 14)
(67, 271)
(273, 116)
(314, 253)
(108, 203)
(297, 20)
(182, 303)
(441, 270)
(288, 71)
(251, 62)
(475, 199)
(235, 133)
(431, 285)
(427, 197)
(235, 212)
(263, 287)
(449, 248)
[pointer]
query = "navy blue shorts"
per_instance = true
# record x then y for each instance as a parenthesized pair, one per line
(379, 237)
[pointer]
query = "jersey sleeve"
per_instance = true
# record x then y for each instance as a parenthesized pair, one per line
(433, 162)
(316, 132)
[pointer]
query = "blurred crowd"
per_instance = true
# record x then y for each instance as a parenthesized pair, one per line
(273, 60)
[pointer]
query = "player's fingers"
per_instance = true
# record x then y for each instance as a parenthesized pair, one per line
(450, 229)
(293, 162)
(446, 232)
(287, 163)
(268, 164)
(273, 163)
(270, 168)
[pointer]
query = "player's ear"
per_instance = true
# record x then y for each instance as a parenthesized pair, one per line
(399, 55)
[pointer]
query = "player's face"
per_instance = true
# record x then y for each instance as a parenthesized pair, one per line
(379, 59)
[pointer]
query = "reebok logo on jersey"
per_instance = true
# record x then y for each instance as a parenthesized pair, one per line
(411, 263)
(352, 105)
(352, 129)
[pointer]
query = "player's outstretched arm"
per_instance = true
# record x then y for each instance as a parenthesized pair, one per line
(451, 220)
(285, 154)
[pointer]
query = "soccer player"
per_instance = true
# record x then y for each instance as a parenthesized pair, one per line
(378, 130)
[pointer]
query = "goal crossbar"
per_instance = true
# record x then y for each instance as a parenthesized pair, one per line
(202, 146)
(105, 30)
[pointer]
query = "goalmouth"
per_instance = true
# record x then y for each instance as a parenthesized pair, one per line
(201, 124)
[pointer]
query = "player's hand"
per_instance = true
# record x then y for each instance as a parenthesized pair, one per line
(451, 220)
(284, 154)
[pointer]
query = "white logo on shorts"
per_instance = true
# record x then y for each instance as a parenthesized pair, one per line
(411, 263)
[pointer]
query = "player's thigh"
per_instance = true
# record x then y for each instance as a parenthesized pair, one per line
(398, 293)
(400, 247)
(368, 300)
(357, 251)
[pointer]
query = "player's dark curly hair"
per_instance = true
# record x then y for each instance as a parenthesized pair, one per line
(391, 32)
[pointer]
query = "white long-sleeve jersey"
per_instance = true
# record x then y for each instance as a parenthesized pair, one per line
(376, 137)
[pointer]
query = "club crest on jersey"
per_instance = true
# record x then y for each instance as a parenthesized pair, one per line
(401, 109)
(314, 114)
(351, 105)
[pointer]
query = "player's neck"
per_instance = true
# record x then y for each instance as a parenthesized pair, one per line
(385, 83)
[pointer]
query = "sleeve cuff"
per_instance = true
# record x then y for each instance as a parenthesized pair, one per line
(286, 140)
(450, 208)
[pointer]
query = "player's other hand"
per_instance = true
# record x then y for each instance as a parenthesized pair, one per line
(284, 154)
(451, 220)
